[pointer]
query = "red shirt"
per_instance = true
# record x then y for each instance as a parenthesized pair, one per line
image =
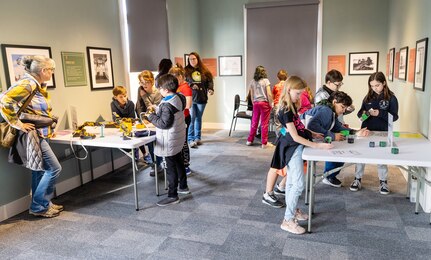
(185, 89)
(276, 92)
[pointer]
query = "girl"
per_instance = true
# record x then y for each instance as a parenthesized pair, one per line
(379, 103)
(260, 93)
(306, 100)
(184, 89)
(200, 80)
(289, 151)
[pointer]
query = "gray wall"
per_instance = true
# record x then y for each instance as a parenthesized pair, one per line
(64, 26)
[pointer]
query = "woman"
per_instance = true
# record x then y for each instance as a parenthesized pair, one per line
(200, 80)
(39, 69)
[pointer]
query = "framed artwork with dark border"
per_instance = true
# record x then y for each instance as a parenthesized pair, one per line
(12, 56)
(186, 59)
(363, 63)
(391, 64)
(421, 64)
(100, 68)
(230, 65)
(402, 66)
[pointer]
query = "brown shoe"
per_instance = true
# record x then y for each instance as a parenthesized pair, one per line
(292, 227)
(59, 208)
(299, 215)
(50, 213)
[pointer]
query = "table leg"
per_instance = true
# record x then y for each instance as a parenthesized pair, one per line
(311, 198)
(307, 183)
(409, 180)
(90, 151)
(417, 195)
(156, 172)
(134, 180)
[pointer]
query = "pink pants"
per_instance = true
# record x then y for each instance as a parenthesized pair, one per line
(261, 110)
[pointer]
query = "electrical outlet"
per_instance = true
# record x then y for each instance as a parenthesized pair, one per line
(67, 152)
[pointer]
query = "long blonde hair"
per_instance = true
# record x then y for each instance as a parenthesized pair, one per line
(293, 82)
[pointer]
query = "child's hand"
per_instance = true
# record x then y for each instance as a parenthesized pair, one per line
(324, 146)
(363, 132)
(210, 91)
(317, 136)
(373, 112)
(339, 137)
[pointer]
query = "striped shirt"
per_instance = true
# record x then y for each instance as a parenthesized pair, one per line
(12, 99)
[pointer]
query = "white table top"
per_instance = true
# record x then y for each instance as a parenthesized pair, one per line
(412, 151)
(112, 139)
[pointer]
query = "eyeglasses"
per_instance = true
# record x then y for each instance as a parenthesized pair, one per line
(144, 82)
(193, 59)
(339, 84)
(51, 69)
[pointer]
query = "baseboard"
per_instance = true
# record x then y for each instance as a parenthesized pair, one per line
(20, 205)
(226, 126)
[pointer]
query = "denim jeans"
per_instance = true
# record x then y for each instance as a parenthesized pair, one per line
(332, 165)
(43, 182)
(382, 171)
(196, 113)
(294, 182)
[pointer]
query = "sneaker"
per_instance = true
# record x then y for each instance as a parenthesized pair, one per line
(272, 200)
(300, 216)
(267, 145)
(334, 182)
(148, 159)
(384, 188)
(188, 171)
(50, 213)
(59, 208)
(152, 172)
(278, 190)
(292, 226)
(249, 143)
(183, 191)
(356, 185)
(198, 142)
(168, 201)
(193, 144)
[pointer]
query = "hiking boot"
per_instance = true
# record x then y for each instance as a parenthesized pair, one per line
(50, 213)
(168, 201)
(384, 188)
(183, 191)
(59, 208)
(334, 182)
(356, 185)
(278, 190)
(272, 200)
(292, 226)
(300, 216)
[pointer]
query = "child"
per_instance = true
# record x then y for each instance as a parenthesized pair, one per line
(261, 95)
(184, 89)
(306, 100)
(379, 102)
(289, 152)
(170, 135)
(121, 105)
(276, 92)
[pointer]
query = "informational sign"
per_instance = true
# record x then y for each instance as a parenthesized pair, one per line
(74, 69)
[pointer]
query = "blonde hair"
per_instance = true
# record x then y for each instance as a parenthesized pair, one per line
(146, 75)
(118, 90)
(293, 82)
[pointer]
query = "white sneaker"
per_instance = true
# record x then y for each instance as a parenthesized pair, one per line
(292, 227)
(249, 143)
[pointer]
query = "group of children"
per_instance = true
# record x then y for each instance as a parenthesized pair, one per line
(325, 119)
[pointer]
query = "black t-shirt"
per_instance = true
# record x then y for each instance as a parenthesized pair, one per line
(286, 117)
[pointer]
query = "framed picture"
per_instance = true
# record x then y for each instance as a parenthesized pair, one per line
(363, 63)
(74, 70)
(12, 56)
(402, 66)
(391, 64)
(100, 67)
(420, 64)
(230, 65)
(186, 59)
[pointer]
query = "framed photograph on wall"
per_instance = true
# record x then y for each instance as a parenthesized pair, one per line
(186, 60)
(402, 66)
(420, 64)
(230, 65)
(12, 56)
(391, 64)
(363, 63)
(100, 67)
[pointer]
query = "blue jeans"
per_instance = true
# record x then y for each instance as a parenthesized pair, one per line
(332, 165)
(196, 113)
(42, 182)
(294, 182)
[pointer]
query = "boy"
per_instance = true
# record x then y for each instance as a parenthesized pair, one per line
(121, 105)
(168, 119)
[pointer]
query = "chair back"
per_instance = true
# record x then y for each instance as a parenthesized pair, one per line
(237, 102)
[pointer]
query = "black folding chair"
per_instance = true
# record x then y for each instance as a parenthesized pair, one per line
(237, 113)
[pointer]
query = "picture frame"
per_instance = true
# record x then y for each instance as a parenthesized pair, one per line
(230, 65)
(420, 64)
(74, 71)
(363, 63)
(402, 65)
(12, 55)
(391, 64)
(100, 68)
(186, 59)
